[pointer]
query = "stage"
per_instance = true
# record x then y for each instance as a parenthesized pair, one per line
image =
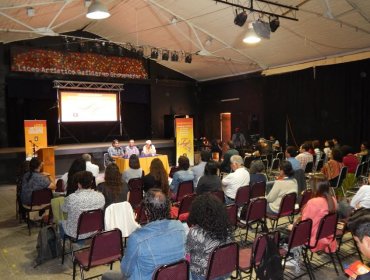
(11, 158)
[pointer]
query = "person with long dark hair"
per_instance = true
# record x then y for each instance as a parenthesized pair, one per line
(134, 170)
(316, 208)
(157, 177)
(211, 228)
(76, 166)
(34, 180)
(183, 174)
(210, 181)
(332, 168)
(113, 188)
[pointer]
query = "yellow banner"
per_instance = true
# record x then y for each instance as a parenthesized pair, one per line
(35, 135)
(185, 139)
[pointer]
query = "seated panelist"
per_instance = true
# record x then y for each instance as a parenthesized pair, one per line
(115, 151)
(148, 149)
(131, 149)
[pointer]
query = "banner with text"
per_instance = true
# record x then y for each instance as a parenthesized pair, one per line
(35, 135)
(185, 138)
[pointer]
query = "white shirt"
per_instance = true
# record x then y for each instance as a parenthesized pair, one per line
(93, 168)
(150, 151)
(362, 197)
(240, 177)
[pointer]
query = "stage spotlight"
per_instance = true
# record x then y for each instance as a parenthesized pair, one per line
(251, 37)
(240, 18)
(262, 29)
(154, 53)
(274, 24)
(174, 56)
(165, 55)
(188, 58)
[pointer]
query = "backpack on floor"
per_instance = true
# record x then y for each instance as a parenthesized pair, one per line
(270, 267)
(48, 245)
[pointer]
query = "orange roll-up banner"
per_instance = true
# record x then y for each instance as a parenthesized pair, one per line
(184, 138)
(35, 133)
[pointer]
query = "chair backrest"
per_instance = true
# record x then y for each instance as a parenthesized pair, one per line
(287, 205)
(309, 167)
(185, 204)
(259, 245)
(301, 180)
(173, 170)
(141, 216)
(342, 175)
(136, 193)
(300, 235)
(232, 213)
(90, 221)
(224, 260)
(220, 195)
(41, 197)
(106, 159)
(363, 158)
(258, 189)
(320, 164)
(327, 227)
(269, 158)
(358, 170)
(265, 163)
(323, 157)
(247, 161)
(365, 167)
(280, 156)
(59, 186)
(256, 209)
(306, 196)
(175, 271)
(106, 247)
(275, 164)
(242, 196)
(184, 188)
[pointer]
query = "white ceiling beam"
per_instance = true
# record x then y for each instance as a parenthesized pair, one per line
(357, 8)
(17, 21)
(58, 13)
(28, 5)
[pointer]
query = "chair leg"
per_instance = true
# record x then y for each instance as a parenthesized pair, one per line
(339, 261)
(63, 249)
(358, 251)
(333, 261)
(307, 264)
(111, 266)
(74, 271)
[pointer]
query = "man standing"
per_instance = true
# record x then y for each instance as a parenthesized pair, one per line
(225, 165)
(232, 182)
(304, 157)
(93, 168)
(159, 242)
(115, 151)
(238, 139)
(131, 149)
(198, 170)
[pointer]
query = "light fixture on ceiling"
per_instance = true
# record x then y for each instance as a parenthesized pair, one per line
(174, 20)
(30, 11)
(274, 24)
(240, 18)
(262, 29)
(174, 56)
(251, 37)
(165, 55)
(97, 10)
(188, 58)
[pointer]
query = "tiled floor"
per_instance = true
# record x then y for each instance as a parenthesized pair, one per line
(18, 249)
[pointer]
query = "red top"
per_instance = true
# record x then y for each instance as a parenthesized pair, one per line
(351, 162)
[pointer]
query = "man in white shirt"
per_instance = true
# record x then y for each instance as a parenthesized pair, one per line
(149, 149)
(93, 168)
(238, 178)
(131, 149)
(198, 170)
(304, 157)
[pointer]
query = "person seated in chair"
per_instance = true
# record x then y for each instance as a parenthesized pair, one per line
(131, 149)
(304, 156)
(182, 175)
(225, 165)
(93, 168)
(149, 149)
(115, 151)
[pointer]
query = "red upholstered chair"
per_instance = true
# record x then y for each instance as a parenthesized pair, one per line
(182, 212)
(106, 248)
(141, 216)
(274, 168)
(299, 237)
(184, 188)
(135, 196)
(254, 215)
(306, 196)
(232, 213)
(242, 196)
(40, 200)
(223, 260)
(258, 189)
(174, 271)
(89, 221)
(287, 207)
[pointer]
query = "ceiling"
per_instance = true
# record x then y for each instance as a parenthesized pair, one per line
(325, 29)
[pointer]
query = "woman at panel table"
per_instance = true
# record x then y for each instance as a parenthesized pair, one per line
(148, 149)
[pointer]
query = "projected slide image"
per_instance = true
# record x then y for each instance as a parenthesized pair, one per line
(88, 107)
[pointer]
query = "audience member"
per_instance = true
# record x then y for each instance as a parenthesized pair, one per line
(93, 168)
(159, 242)
(211, 228)
(316, 208)
(238, 139)
(275, 144)
(225, 165)
(240, 177)
(290, 154)
(157, 177)
(77, 165)
(182, 175)
(134, 170)
(281, 187)
(198, 170)
(329, 146)
(304, 156)
(336, 143)
(131, 149)
(113, 188)
(115, 151)
(349, 159)
(317, 150)
(34, 180)
(364, 149)
(359, 225)
(210, 181)
(83, 199)
(256, 172)
(217, 147)
(149, 149)
(332, 168)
